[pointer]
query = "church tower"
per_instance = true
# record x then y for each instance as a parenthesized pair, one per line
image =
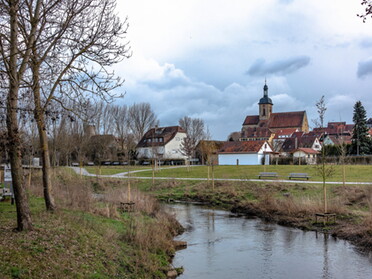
(265, 104)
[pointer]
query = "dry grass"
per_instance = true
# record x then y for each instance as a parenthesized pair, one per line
(145, 232)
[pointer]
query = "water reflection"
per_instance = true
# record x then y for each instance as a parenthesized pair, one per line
(225, 247)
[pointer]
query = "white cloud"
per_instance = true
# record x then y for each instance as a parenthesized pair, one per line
(191, 58)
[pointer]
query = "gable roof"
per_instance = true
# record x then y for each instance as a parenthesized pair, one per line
(284, 133)
(159, 136)
(286, 119)
(299, 140)
(339, 140)
(278, 120)
(251, 120)
(242, 146)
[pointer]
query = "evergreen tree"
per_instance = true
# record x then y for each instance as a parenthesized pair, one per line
(361, 143)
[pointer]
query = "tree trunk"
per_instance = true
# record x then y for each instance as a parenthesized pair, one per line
(40, 120)
(24, 221)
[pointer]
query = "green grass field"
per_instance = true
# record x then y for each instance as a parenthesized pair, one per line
(110, 170)
(354, 173)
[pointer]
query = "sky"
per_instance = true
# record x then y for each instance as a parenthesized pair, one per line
(209, 59)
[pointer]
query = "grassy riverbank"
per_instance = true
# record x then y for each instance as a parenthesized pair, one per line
(88, 237)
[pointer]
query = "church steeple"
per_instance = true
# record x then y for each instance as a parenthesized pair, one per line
(265, 104)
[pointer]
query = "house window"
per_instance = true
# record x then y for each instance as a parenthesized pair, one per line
(149, 140)
(160, 139)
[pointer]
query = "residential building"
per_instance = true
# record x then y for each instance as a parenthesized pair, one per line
(245, 153)
(162, 143)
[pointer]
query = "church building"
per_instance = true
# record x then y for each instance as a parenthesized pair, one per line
(267, 124)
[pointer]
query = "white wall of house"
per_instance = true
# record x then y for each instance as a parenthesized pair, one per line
(238, 158)
(246, 158)
(172, 150)
(316, 145)
(310, 158)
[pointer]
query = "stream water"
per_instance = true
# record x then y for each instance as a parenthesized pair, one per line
(224, 246)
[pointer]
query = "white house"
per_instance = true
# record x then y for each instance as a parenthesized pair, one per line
(162, 143)
(308, 154)
(245, 153)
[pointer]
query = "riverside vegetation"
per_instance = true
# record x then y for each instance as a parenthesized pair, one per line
(90, 235)
(292, 204)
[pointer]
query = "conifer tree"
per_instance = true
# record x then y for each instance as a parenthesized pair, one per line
(361, 144)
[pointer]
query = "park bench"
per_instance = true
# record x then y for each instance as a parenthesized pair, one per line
(298, 176)
(268, 174)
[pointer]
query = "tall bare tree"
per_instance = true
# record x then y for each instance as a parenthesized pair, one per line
(76, 41)
(141, 119)
(195, 131)
(16, 54)
(325, 171)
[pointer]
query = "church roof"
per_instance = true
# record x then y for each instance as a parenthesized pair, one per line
(279, 120)
(251, 120)
(286, 119)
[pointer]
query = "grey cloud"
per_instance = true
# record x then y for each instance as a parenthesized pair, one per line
(364, 68)
(366, 43)
(280, 67)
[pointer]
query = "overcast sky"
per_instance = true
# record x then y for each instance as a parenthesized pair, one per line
(209, 58)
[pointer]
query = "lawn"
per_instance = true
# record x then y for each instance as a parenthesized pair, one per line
(110, 170)
(354, 173)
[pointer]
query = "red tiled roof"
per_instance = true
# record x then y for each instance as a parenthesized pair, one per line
(242, 146)
(286, 119)
(299, 140)
(307, 150)
(284, 132)
(338, 140)
(259, 132)
(251, 120)
(166, 134)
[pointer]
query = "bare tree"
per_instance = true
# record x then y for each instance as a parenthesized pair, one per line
(321, 109)
(195, 131)
(16, 55)
(76, 41)
(325, 171)
(141, 119)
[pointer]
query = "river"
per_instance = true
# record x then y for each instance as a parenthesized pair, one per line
(224, 246)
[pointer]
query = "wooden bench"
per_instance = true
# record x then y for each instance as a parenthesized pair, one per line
(299, 176)
(268, 174)
(326, 217)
